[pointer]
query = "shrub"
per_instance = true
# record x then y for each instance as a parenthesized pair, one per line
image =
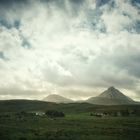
(54, 113)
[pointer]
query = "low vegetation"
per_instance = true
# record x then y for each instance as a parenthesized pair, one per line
(54, 113)
(69, 122)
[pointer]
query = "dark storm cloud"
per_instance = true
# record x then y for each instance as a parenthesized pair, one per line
(136, 26)
(2, 55)
(9, 3)
(8, 25)
(112, 2)
(101, 2)
(11, 12)
(135, 2)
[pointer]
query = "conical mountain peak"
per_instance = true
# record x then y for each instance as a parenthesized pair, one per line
(112, 93)
(111, 88)
(111, 96)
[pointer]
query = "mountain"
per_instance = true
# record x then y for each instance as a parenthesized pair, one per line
(111, 96)
(57, 99)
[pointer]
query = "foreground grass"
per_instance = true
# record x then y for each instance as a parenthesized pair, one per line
(72, 127)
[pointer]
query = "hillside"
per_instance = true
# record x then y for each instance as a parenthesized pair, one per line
(34, 105)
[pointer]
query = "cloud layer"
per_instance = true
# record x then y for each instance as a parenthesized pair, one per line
(72, 48)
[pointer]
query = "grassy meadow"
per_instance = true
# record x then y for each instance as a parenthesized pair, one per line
(76, 125)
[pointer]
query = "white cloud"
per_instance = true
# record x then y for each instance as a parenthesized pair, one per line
(68, 50)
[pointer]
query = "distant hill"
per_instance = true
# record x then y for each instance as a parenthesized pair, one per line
(57, 99)
(21, 105)
(35, 105)
(111, 96)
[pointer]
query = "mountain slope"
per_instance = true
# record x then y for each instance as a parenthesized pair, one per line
(111, 96)
(57, 99)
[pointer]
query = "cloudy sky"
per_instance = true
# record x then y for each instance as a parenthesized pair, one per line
(74, 48)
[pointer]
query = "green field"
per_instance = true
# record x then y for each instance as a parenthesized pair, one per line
(76, 125)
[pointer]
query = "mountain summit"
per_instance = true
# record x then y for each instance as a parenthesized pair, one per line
(57, 99)
(113, 93)
(111, 96)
